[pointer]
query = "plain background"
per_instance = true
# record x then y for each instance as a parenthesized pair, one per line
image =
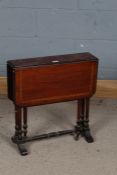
(31, 28)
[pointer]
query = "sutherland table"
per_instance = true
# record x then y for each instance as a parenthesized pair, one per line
(45, 80)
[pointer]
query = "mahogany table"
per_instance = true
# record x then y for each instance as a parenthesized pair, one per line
(51, 79)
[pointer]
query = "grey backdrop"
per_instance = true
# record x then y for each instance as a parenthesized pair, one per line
(30, 28)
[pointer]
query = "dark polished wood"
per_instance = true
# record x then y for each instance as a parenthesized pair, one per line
(82, 127)
(25, 121)
(52, 79)
(50, 60)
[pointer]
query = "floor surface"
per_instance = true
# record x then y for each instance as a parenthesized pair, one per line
(63, 155)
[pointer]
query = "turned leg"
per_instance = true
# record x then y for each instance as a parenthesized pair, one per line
(82, 113)
(82, 127)
(18, 131)
(18, 123)
(78, 121)
(86, 128)
(25, 121)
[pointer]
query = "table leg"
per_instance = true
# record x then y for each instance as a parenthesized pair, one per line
(18, 123)
(25, 121)
(79, 120)
(82, 127)
(18, 131)
(86, 129)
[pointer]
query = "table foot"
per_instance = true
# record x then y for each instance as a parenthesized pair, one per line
(23, 151)
(21, 147)
(88, 137)
(80, 129)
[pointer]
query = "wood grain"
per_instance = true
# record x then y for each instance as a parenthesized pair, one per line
(105, 88)
(56, 83)
(53, 79)
(3, 86)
